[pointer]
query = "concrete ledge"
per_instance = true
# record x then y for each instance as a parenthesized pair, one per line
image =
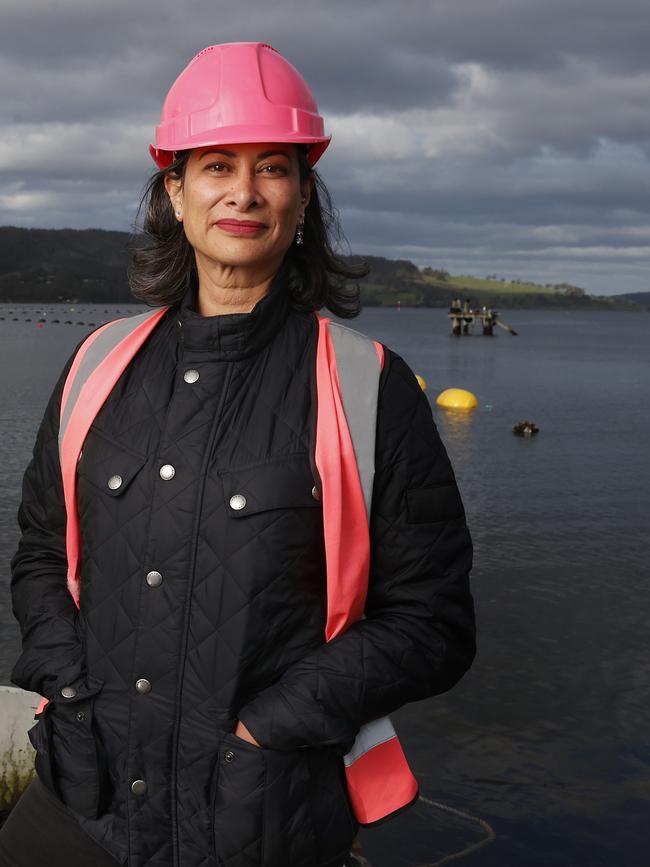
(17, 708)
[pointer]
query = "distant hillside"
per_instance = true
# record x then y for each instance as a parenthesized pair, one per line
(51, 265)
(393, 280)
(85, 266)
(638, 298)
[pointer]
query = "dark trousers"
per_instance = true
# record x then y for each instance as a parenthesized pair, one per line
(41, 831)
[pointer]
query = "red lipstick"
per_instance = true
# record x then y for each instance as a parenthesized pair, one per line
(240, 227)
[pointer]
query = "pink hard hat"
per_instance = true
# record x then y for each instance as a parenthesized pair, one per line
(235, 93)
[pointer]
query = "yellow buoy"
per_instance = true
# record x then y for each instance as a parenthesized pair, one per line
(457, 398)
(421, 382)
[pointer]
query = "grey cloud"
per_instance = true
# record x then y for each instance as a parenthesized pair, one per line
(372, 54)
(398, 79)
(549, 154)
(480, 248)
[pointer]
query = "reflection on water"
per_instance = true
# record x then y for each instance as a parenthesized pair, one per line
(456, 427)
(546, 737)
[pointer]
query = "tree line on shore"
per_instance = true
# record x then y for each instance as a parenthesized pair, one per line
(89, 266)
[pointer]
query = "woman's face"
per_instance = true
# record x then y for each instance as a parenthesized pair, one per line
(240, 204)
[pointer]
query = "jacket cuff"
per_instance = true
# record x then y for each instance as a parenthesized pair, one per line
(291, 733)
(254, 726)
(71, 686)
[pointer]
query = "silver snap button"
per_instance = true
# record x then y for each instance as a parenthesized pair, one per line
(315, 493)
(167, 472)
(154, 579)
(237, 502)
(114, 482)
(191, 375)
(80, 716)
(138, 787)
(68, 692)
(142, 685)
(229, 755)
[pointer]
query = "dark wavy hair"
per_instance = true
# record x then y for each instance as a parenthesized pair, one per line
(162, 266)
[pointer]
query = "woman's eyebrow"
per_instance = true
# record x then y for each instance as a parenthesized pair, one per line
(222, 152)
(261, 156)
(266, 154)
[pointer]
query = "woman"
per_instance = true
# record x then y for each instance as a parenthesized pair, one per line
(196, 714)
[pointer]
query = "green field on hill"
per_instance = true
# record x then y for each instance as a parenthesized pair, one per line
(476, 284)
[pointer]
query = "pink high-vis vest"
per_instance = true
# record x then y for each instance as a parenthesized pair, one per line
(348, 366)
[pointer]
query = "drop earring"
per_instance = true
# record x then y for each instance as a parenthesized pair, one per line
(300, 231)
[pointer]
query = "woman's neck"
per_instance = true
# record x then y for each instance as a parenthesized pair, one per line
(228, 289)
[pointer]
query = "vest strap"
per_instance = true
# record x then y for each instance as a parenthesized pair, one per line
(98, 365)
(349, 366)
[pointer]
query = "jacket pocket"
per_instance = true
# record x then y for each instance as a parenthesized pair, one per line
(331, 812)
(70, 758)
(289, 833)
(277, 808)
(40, 737)
(237, 799)
(108, 465)
(285, 483)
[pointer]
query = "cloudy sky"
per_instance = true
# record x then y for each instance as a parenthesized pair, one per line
(483, 136)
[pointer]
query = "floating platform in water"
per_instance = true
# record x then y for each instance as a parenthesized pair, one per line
(463, 318)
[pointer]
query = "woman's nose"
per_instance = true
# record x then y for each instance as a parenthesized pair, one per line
(244, 193)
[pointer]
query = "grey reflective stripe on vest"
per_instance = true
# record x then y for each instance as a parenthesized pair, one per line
(96, 353)
(370, 735)
(359, 369)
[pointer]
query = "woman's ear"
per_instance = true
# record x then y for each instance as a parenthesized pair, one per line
(305, 191)
(174, 187)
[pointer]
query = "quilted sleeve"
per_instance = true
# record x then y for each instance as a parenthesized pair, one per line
(418, 635)
(46, 613)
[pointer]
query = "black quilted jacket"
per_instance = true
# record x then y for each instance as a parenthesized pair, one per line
(195, 614)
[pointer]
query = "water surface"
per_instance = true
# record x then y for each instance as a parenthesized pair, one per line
(546, 738)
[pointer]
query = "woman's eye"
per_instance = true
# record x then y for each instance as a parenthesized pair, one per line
(217, 168)
(273, 170)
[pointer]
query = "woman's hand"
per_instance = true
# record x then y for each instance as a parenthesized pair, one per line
(242, 732)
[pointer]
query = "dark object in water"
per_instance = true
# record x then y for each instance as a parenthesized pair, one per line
(463, 317)
(525, 429)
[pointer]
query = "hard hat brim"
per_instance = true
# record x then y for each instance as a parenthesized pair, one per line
(316, 146)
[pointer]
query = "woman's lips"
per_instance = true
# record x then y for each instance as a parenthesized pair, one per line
(240, 227)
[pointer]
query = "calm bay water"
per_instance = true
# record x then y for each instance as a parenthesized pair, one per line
(547, 737)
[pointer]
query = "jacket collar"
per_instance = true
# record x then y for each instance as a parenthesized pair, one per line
(231, 336)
